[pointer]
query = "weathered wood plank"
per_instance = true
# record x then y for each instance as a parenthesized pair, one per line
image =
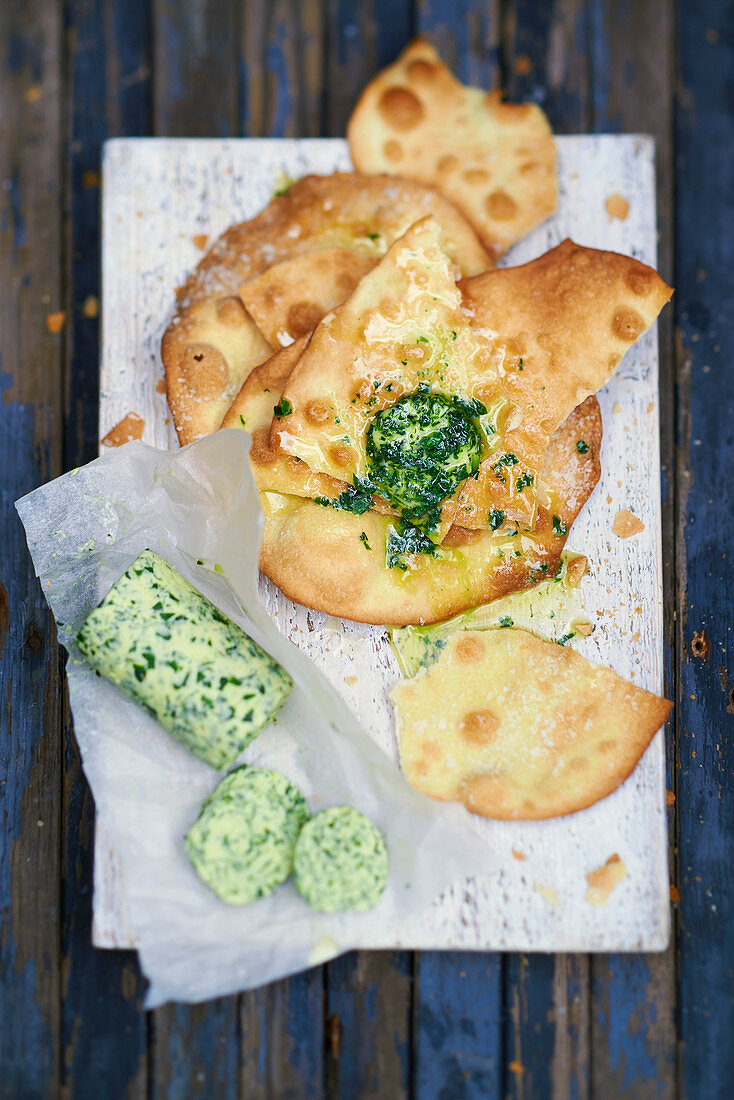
(704, 132)
(194, 1051)
(108, 92)
(467, 36)
(282, 1046)
(362, 36)
(196, 68)
(30, 452)
(283, 64)
(457, 1039)
(632, 68)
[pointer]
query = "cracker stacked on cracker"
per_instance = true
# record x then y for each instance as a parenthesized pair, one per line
(424, 426)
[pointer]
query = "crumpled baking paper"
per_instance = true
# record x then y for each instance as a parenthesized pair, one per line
(196, 505)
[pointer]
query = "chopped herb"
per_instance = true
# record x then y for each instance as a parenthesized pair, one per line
(357, 498)
(363, 539)
(559, 528)
(407, 540)
(496, 519)
(566, 638)
(242, 420)
(283, 408)
(453, 334)
(508, 459)
(507, 621)
(519, 365)
(422, 340)
(523, 482)
(373, 236)
(582, 447)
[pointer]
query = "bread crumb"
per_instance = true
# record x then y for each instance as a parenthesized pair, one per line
(90, 306)
(604, 879)
(650, 407)
(616, 407)
(55, 321)
(617, 206)
(32, 94)
(128, 429)
(577, 569)
(160, 386)
(546, 892)
(669, 798)
(674, 894)
(516, 1067)
(351, 680)
(585, 629)
(518, 855)
(523, 65)
(627, 524)
(90, 178)
(200, 240)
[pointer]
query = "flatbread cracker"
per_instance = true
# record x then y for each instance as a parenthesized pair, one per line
(290, 298)
(336, 562)
(212, 343)
(494, 160)
(516, 727)
(273, 469)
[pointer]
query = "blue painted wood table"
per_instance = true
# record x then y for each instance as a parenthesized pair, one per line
(386, 1025)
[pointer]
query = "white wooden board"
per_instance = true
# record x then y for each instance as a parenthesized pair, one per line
(160, 194)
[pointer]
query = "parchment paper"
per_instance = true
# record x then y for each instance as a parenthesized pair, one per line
(200, 504)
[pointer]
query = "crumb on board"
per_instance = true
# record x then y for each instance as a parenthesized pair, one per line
(617, 206)
(32, 94)
(585, 629)
(131, 427)
(669, 798)
(55, 321)
(351, 680)
(674, 894)
(200, 240)
(523, 65)
(518, 855)
(516, 1067)
(546, 892)
(604, 879)
(627, 524)
(616, 407)
(577, 569)
(90, 306)
(160, 386)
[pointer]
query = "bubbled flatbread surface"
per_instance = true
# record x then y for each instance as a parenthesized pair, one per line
(494, 160)
(290, 298)
(402, 327)
(516, 727)
(273, 469)
(206, 366)
(559, 327)
(335, 561)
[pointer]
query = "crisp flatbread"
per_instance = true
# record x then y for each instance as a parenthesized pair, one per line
(337, 562)
(273, 469)
(517, 727)
(212, 343)
(290, 298)
(495, 160)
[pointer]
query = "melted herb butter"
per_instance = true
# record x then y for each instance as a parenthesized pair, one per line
(420, 449)
(552, 611)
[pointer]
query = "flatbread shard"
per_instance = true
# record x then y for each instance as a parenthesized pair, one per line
(212, 343)
(337, 562)
(273, 469)
(560, 325)
(496, 161)
(290, 298)
(516, 727)
(402, 330)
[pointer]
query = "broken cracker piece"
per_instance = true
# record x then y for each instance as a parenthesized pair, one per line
(627, 524)
(617, 206)
(128, 429)
(55, 321)
(604, 879)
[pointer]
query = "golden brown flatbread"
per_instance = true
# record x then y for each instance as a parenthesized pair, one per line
(495, 160)
(517, 727)
(336, 562)
(403, 327)
(290, 298)
(273, 469)
(212, 343)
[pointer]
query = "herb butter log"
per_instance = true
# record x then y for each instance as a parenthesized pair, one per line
(243, 841)
(171, 650)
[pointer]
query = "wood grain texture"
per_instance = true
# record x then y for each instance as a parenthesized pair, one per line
(108, 68)
(704, 271)
(30, 453)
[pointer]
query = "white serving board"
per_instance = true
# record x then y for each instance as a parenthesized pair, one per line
(158, 195)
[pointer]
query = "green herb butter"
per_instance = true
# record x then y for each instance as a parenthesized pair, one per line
(172, 651)
(340, 861)
(243, 842)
